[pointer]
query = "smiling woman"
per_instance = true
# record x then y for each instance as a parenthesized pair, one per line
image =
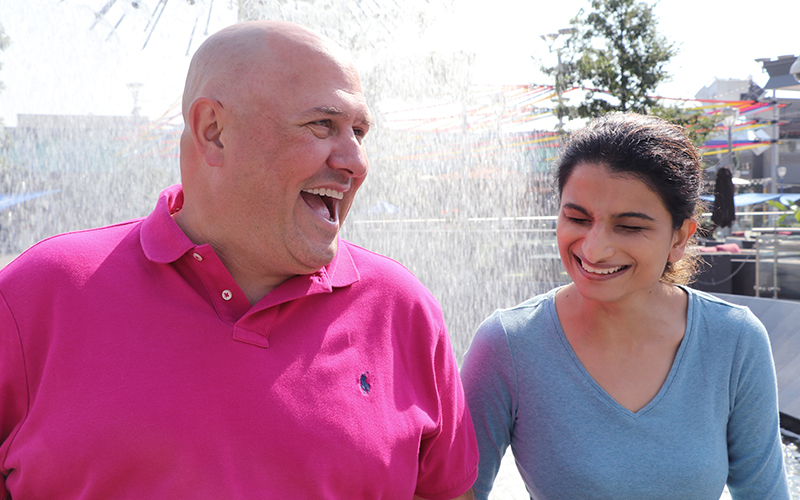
(615, 236)
(629, 184)
(652, 151)
(677, 387)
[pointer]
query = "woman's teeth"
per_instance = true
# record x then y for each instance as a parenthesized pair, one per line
(593, 270)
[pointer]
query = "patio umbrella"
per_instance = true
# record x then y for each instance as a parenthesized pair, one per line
(724, 212)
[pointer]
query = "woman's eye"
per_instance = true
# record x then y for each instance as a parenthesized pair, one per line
(632, 229)
(577, 220)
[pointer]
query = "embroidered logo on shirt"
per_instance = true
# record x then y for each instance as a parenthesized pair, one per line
(364, 384)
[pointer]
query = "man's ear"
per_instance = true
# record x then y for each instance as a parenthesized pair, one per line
(206, 127)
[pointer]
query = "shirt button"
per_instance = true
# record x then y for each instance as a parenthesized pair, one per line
(227, 295)
(197, 257)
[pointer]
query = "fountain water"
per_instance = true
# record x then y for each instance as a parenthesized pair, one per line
(100, 170)
(459, 164)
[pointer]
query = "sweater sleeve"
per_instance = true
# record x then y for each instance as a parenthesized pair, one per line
(491, 389)
(755, 456)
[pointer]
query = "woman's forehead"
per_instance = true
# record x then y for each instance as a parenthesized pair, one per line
(594, 187)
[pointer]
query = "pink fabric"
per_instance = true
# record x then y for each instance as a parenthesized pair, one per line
(729, 247)
(725, 247)
(125, 373)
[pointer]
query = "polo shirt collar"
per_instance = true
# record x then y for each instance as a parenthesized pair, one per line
(164, 242)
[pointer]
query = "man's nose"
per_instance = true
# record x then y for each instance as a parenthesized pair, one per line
(349, 156)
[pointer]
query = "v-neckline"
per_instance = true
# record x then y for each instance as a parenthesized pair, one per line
(602, 393)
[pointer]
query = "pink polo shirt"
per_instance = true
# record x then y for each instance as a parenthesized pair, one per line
(132, 366)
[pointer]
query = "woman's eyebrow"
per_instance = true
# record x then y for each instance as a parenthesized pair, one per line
(573, 206)
(635, 215)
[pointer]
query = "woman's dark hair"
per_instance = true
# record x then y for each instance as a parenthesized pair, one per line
(652, 150)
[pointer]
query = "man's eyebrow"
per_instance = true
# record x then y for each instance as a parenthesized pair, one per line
(326, 110)
(334, 111)
(623, 215)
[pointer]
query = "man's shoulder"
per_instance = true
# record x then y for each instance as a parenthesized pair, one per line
(75, 252)
(376, 269)
(384, 282)
(377, 266)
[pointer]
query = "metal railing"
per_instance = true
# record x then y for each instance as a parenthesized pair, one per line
(780, 242)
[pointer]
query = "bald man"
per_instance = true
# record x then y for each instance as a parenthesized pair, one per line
(230, 344)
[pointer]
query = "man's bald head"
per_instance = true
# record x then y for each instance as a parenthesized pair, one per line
(242, 59)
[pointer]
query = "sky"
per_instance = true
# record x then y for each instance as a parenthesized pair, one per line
(60, 62)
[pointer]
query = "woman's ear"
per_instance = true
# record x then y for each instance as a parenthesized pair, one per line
(206, 128)
(680, 238)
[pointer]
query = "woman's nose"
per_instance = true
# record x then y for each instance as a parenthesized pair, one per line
(597, 244)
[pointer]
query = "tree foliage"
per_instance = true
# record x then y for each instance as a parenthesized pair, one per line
(617, 56)
(698, 125)
(792, 210)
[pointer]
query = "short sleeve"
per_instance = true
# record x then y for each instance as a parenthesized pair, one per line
(13, 388)
(448, 463)
(756, 470)
(490, 385)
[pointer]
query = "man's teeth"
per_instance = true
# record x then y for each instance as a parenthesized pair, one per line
(326, 192)
(600, 271)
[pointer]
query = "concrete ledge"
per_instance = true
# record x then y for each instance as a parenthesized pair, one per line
(782, 320)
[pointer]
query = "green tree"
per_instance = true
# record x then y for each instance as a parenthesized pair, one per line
(792, 210)
(698, 125)
(617, 56)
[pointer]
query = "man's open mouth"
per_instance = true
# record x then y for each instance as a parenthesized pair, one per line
(324, 202)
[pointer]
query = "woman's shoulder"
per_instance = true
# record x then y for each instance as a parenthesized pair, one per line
(722, 323)
(708, 305)
(513, 333)
(533, 306)
(523, 319)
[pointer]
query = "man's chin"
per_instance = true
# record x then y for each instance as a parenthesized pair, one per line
(314, 258)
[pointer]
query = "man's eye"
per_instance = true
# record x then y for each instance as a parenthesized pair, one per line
(632, 229)
(321, 128)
